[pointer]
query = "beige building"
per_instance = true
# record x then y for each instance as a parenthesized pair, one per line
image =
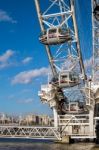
(32, 119)
(44, 120)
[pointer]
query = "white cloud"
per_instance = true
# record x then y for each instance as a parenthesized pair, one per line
(26, 101)
(27, 60)
(6, 55)
(5, 58)
(4, 17)
(26, 77)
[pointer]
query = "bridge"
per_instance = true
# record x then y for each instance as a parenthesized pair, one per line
(29, 132)
(74, 126)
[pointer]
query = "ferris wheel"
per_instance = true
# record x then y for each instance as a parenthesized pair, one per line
(59, 35)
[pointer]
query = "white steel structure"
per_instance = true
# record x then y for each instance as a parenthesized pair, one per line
(68, 69)
(95, 25)
(29, 132)
(60, 37)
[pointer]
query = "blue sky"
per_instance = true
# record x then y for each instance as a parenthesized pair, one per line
(23, 60)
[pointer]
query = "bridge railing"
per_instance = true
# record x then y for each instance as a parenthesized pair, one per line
(73, 119)
(29, 132)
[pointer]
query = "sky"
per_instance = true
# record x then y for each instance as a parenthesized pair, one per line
(23, 60)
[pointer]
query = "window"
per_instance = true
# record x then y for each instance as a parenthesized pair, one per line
(51, 31)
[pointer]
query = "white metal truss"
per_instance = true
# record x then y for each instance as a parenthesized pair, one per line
(67, 57)
(10, 131)
(70, 119)
(63, 57)
(95, 28)
(76, 125)
(67, 52)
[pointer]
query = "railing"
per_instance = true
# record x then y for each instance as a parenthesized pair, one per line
(76, 126)
(29, 132)
(73, 119)
(73, 125)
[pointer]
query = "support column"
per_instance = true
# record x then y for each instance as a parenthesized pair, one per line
(91, 121)
(91, 111)
(77, 38)
(49, 54)
(55, 117)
